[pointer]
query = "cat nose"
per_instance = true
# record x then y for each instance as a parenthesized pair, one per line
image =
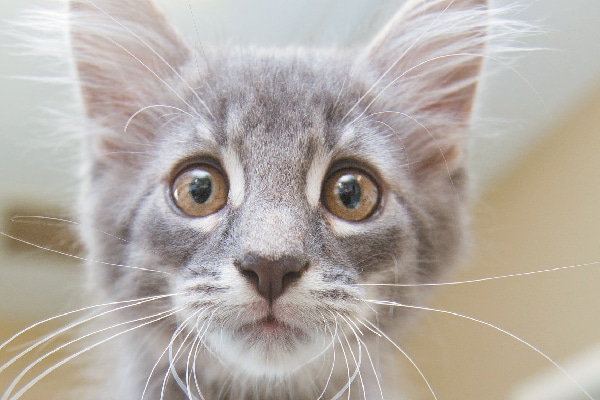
(272, 277)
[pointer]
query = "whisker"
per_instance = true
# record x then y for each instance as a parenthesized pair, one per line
(358, 362)
(191, 376)
(141, 110)
(153, 73)
(196, 345)
(367, 351)
(403, 74)
(491, 278)
(190, 366)
(401, 350)
(200, 46)
(24, 218)
(393, 65)
(62, 253)
(24, 389)
(432, 136)
(174, 358)
(175, 72)
(356, 371)
(62, 330)
(158, 362)
(333, 336)
(325, 350)
(348, 384)
(373, 367)
(57, 221)
(201, 332)
(490, 325)
(194, 369)
(207, 323)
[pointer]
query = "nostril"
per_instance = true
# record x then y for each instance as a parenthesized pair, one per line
(270, 276)
(250, 275)
(293, 276)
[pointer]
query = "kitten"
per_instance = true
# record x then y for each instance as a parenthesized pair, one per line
(256, 198)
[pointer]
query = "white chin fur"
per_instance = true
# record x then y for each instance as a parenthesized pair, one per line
(266, 357)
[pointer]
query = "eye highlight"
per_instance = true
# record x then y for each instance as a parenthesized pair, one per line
(200, 191)
(350, 194)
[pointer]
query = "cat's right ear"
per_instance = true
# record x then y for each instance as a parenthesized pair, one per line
(426, 65)
(127, 57)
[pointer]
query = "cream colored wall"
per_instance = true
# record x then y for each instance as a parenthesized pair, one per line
(544, 214)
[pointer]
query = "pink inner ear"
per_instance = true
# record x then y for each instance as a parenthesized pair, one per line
(428, 61)
(127, 57)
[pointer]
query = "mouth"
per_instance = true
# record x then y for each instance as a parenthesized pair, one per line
(271, 331)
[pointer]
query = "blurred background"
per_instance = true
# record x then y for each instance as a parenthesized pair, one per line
(535, 205)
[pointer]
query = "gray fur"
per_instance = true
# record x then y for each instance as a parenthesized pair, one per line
(268, 118)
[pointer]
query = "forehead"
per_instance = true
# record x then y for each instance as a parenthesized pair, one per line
(277, 111)
(269, 100)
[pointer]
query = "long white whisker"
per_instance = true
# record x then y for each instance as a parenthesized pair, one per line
(141, 110)
(358, 362)
(367, 351)
(393, 65)
(160, 358)
(334, 334)
(18, 218)
(491, 278)
(175, 72)
(402, 75)
(189, 372)
(373, 367)
(200, 333)
(497, 328)
(24, 389)
(173, 358)
(350, 378)
(155, 74)
(158, 362)
(416, 121)
(81, 258)
(401, 350)
(347, 385)
(73, 325)
(322, 352)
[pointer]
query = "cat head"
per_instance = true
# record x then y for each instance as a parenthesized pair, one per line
(268, 191)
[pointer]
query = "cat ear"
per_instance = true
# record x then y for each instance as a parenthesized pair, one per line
(127, 57)
(427, 62)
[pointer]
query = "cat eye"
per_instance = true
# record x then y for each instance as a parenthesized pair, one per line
(200, 191)
(350, 194)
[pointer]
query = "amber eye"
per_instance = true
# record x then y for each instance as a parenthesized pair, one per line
(199, 191)
(350, 194)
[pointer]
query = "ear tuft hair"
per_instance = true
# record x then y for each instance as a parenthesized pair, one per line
(127, 57)
(427, 64)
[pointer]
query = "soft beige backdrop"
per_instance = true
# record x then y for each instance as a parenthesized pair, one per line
(545, 213)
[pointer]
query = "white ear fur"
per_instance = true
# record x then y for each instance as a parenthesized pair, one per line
(127, 57)
(427, 62)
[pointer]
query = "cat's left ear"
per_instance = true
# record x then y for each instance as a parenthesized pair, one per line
(127, 57)
(426, 64)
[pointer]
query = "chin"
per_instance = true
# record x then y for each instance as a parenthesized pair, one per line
(267, 349)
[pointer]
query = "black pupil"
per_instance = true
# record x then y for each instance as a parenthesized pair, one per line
(348, 191)
(201, 187)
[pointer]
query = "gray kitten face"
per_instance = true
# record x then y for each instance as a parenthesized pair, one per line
(268, 193)
(275, 143)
